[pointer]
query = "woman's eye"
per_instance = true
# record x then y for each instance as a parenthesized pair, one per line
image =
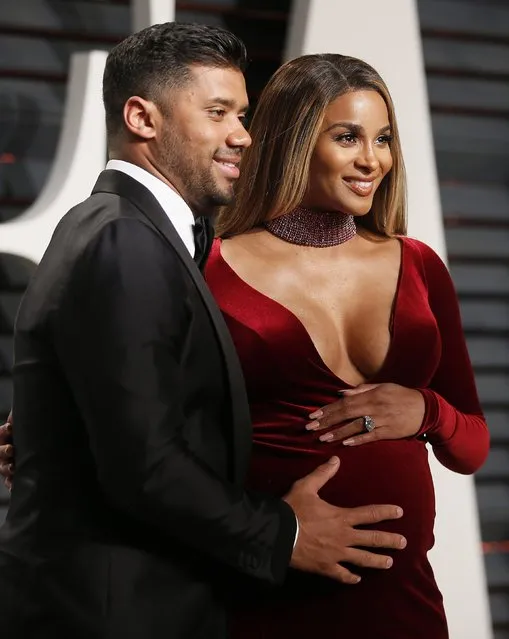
(384, 139)
(349, 138)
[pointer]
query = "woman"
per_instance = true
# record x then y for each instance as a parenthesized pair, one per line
(323, 293)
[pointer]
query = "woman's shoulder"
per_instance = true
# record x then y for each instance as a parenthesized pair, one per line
(428, 262)
(422, 251)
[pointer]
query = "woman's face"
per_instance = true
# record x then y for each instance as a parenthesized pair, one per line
(352, 155)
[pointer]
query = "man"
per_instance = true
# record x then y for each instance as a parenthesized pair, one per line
(132, 427)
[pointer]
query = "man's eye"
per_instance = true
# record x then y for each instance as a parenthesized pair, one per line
(218, 112)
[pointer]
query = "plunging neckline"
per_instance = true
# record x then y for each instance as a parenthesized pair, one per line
(306, 335)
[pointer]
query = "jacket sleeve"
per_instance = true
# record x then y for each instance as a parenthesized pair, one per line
(119, 334)
(453, 423)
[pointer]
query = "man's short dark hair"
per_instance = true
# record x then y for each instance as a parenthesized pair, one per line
(159, 57)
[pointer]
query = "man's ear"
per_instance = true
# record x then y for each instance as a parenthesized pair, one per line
(139, 117)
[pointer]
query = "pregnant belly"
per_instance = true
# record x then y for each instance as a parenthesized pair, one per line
(389, 472)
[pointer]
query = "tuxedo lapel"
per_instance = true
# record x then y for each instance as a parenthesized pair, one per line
(118, 183)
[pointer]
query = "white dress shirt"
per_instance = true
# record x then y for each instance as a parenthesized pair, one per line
(171, 202)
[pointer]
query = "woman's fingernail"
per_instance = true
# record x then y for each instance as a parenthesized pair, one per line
(326, 438)
(316, 414)
(389, 562)
(313, 425)
(349, 442)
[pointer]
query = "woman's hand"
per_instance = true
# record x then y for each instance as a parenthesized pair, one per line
(396, 412)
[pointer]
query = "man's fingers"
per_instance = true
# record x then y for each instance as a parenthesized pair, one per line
(6, 470)
(320, 476)
(372, 514)
(366, 559)
(341, 574)
(5, 433)
(378, 539)
(6, 453)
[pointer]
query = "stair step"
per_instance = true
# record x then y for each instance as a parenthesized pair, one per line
(492, 315)
(493, 503)
(28, 97)
(481, 278)
(495, 531)
(496, 466)
(467, 93)
(476, 241)
(469, 148)
(443, 53)
(470, 17)
(498, 423)
(493, 387)
(497, 569)
(42, 53)
(92, 17)
(469, 200)
(499, 606)
(488, 351)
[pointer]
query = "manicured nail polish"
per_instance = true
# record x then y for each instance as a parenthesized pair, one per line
(318, 413)
(313, 425)
(326, 438)
(349, 442)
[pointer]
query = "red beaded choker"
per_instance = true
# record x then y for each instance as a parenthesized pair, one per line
(307, 227)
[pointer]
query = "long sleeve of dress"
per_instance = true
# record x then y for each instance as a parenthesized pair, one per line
(453, 423)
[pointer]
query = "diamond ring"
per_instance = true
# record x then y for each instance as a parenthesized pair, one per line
(369, 423)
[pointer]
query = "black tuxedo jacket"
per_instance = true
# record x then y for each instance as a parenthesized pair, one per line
(132, 436)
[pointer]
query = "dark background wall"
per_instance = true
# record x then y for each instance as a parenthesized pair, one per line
(466, 52)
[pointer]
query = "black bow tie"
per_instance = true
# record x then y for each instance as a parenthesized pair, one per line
(203, 231)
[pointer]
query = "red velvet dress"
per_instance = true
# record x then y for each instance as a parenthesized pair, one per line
(286, 379)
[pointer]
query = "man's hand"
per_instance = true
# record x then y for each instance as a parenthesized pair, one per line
(327, 534)
(6, 452)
